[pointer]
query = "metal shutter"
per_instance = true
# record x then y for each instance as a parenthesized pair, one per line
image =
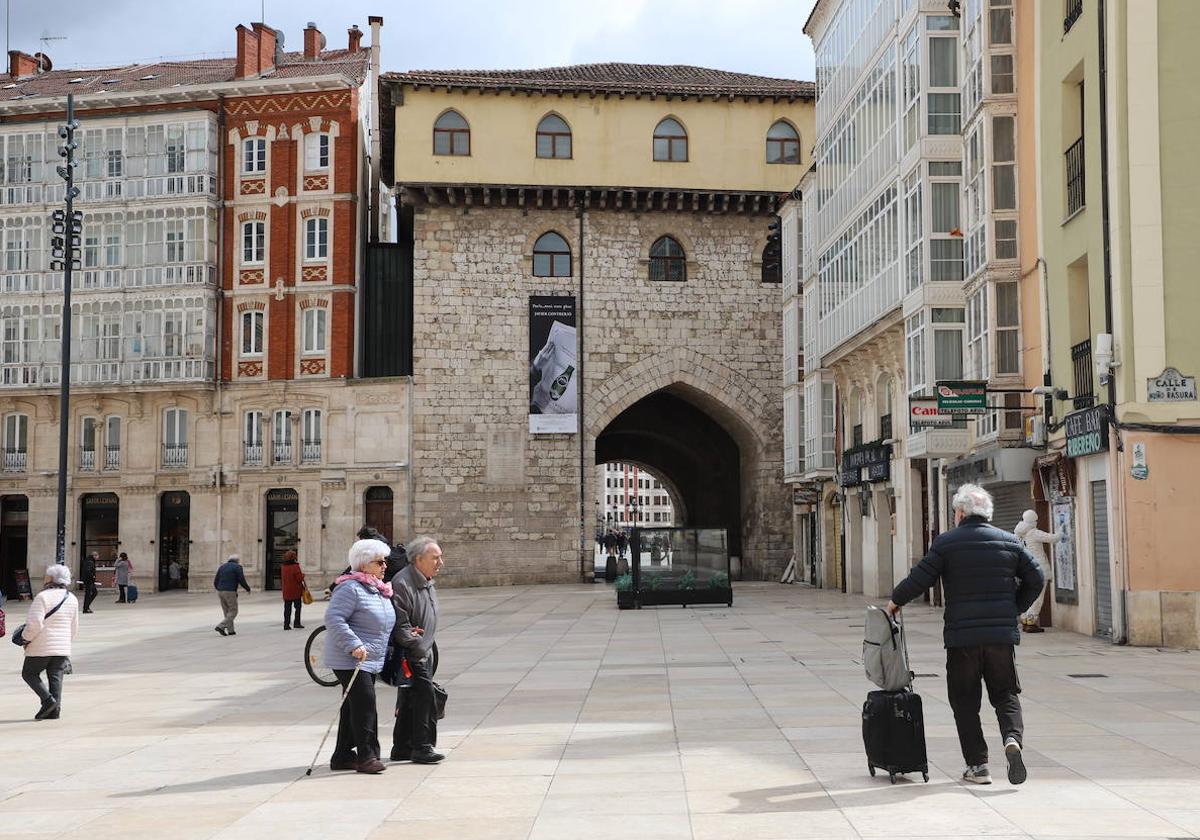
(1009, 502)
(1102, 566)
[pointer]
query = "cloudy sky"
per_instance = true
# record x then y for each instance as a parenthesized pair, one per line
(751, 36)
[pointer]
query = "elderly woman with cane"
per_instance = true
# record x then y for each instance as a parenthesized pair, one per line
(358, 623)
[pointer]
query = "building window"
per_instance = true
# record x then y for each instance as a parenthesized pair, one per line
(914, 229)
(176, 150)
(252, 333)
(667, 260)
(1004, 167)
(944, 117)
(451, 135)
(316, 238)
(314, 329)
(175, 438)
(16, 442)
(1002, 74)
(670, 141)
(316, 152)
(553, 138)
(254, 242)
(911, 81)
(914, 352)
(783, 143)
(254, 156)
(112, 443)
(947, 343)
(1006, 239)
(87, 444)
(281, 437)
(310, 436)
(1008, 329)
(551, 256)
(977, 334)
(252, 442)
(946, 243)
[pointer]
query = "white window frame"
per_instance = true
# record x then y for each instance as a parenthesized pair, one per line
(253, 332)
(254, 242)
(254, 156)
(318, 152)
(315, 331)
(1012, 331)
(16, 432)
(316, 239)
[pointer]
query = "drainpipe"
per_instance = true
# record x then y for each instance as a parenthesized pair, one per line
(220, 338)
(586, 564)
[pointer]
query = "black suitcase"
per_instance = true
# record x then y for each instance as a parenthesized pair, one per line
(894, 733)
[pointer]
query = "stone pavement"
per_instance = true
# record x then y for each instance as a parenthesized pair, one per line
(569, 720)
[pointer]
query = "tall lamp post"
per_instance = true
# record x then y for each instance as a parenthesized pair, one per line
(66, 227)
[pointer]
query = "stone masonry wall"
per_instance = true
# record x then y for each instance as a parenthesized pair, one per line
(504, 503)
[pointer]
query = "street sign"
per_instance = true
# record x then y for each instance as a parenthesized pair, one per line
(1171, 386)
(962, 397)
(923, 413)
(1087, 432)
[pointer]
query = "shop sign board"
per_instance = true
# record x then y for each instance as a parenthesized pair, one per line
(1063, 520)
(1171, 386)
(1087, 432)
(923, 413)
(962, 397)
(870, 462)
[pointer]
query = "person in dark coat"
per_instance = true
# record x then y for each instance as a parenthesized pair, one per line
(989, 579)
(415, 599)
(293, 589)
(226, 581)
(87, 576)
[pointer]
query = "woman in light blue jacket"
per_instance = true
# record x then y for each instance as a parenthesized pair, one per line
(358, 624)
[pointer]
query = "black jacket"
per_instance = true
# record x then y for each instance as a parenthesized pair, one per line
(87, 570)
(988, 577)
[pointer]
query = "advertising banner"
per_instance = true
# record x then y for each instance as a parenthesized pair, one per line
(923, 412)
(553, 370)
(962, 397)
(1063, 520)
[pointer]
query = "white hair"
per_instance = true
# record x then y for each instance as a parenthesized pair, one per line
(973, 500)
(364, 551)
(234, 557)
(59, 574)
(419, 546)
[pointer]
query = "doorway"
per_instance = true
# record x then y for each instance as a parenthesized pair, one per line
(377, 511)
(14, 542)
(283, 532)
(99, 527)
(174, 525)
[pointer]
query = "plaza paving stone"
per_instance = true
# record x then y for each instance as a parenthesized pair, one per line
(570, 720)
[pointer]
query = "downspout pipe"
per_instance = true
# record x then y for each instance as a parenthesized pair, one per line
(585, 573)
(220, 337)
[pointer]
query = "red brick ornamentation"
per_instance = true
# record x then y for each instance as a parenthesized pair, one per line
(250, 277)
(316, 182)
(313, 272)
(255, 186)
(312, 367)
(250, 368)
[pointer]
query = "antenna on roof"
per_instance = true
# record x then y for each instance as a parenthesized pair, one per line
(43, 60)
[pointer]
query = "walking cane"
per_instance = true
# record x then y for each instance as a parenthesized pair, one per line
(336, 715)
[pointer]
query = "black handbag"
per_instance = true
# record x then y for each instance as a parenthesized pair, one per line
(18, 636)
(439, 701)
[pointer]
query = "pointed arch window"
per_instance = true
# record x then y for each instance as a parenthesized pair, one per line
(783, 143)
(670, 141)
(667, 260)
(451, 135)
(551, 256)
(553, 138)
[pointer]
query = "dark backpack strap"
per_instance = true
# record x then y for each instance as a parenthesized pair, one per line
(59, 607)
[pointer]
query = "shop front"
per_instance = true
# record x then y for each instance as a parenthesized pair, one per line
(99, 532)
(864, 477)
(174, 539)
(283, 532)
(14, 546)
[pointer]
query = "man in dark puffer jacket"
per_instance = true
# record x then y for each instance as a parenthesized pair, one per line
(989, 580)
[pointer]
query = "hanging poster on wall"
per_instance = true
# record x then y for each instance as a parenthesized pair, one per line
(553, 368)
(1062, 517)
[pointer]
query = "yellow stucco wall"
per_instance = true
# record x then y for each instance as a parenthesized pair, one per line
(611, 137)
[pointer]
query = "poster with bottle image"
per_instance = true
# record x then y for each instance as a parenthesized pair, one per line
(553, 398)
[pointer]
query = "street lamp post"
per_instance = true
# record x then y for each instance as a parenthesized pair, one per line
(66, 227)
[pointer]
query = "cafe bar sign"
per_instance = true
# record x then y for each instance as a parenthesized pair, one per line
(1087, 432)
(868, 462)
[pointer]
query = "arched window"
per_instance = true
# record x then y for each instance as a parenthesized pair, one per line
(667, 260)
(451, 135)
(553, 137)
(551, 256)
(783, 143)
(772, 270)
(670, 141)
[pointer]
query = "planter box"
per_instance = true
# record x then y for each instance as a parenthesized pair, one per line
(626, 600)
(684, 597)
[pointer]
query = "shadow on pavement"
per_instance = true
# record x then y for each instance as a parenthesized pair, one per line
(236, 780)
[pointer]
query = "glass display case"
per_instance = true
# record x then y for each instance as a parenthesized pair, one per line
(677, 566)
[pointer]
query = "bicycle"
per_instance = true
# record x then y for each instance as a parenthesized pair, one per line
(321, 674)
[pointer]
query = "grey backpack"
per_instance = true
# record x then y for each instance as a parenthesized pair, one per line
(885, 652)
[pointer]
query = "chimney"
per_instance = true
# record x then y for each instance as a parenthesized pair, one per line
(247, 53)
(313, 42)
(266, 47)
(355, 38)
(21, 65)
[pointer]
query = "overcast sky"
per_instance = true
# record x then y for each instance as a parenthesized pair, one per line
(750, 36)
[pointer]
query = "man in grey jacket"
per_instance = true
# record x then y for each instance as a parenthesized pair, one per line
(416, 603)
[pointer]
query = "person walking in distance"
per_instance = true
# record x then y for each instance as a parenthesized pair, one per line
(122, 569)
(87, 576)
(49, 630)
(293, 589)
(416, 603)
(226, 581)
(989, 579)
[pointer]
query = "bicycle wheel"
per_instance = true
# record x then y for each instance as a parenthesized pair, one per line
(314, 660)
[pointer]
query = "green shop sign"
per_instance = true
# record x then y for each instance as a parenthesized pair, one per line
(962, 397)
(1087, 432)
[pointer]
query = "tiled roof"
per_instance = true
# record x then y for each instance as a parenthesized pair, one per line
(670, 79)
(148, 78)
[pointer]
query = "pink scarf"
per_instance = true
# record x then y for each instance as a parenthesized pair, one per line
(384, 589)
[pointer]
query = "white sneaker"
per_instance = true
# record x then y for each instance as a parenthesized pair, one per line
(977, 774)
(1016, 763)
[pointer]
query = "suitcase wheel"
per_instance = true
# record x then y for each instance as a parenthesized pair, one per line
(871, 767)
(892, 777)
(925, 775)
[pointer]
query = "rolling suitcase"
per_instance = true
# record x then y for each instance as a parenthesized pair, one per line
(131, 593)
(894, 733)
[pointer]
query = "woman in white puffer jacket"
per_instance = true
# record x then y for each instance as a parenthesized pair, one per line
(52, 625)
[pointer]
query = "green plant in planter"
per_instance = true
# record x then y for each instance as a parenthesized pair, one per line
(720, 580)
(654, 582)
(624, 583)
(687, 581)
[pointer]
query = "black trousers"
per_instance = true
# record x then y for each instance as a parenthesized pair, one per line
(416, 725)
(358, 725)
(54, 666)
(996, 667)
(90, 591)
(287, 612)
(121, 598)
